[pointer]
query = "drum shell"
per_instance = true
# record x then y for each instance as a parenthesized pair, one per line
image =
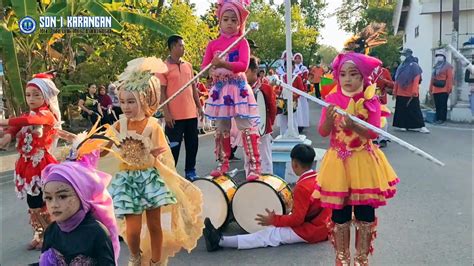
(277, 185)
(282, 106)
(227, 187)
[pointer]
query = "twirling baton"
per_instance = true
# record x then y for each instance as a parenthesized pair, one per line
(253, 26)
(403, 143)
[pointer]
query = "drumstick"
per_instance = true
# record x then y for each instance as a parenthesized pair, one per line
(401, 142)
(253, 26)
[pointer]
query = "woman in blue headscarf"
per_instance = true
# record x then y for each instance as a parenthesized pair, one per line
(408, 114)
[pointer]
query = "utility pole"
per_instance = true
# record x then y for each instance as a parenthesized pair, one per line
(440, 22)
(455, 39)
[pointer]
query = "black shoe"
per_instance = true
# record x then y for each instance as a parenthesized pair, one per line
(212, 236)
(383, 144)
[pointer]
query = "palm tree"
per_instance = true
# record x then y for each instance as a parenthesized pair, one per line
(33, 46)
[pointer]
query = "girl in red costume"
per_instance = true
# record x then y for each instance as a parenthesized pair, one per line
(35, 132)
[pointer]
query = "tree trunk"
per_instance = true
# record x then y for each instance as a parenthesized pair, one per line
(159, 8)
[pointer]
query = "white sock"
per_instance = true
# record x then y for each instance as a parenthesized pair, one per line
(229, 242)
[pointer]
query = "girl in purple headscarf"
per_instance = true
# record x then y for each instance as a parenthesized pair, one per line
(85, 231)
(354, 174)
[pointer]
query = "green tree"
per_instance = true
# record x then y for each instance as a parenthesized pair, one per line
(270, 35)
(304, 37)
(196, 32)
(327, 53)
(354, 15)
(39, 52)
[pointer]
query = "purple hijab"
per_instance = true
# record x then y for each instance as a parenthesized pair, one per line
(407, 71)
(91, 188)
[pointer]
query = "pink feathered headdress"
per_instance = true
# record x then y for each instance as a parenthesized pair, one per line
(238, 6)
(366, 65)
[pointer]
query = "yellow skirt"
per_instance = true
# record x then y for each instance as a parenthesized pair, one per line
(363, 178)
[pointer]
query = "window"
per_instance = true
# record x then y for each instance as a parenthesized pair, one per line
(417, 31)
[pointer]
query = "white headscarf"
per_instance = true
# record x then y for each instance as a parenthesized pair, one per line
(50, 94)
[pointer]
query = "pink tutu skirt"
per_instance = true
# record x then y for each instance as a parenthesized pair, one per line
(231, 96)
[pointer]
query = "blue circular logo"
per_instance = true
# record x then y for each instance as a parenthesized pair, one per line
(27, 25)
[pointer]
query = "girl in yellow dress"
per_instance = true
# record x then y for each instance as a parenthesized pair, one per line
(161, 210)
(354, 176)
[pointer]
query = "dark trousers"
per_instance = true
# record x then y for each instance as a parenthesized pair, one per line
(35, 202)
(189, 129)
(362, 213)
(316, 89)
(441, 103)
(408, 113)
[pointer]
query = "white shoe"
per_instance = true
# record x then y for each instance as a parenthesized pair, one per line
(400, 129)
(424, 130)
(420, 130)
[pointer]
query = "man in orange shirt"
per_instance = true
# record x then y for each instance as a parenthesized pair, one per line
(181, 114)
(317, 72)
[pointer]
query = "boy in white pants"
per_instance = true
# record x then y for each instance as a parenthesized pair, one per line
(306, 223)
(265, 145)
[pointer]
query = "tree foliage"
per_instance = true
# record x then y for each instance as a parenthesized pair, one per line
(327, 54)
(271, 36)
(354, 15)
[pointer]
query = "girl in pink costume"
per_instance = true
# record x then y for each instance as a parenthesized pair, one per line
(355, 176)
(230, 95)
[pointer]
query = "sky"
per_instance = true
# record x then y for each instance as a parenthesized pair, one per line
(331, 34)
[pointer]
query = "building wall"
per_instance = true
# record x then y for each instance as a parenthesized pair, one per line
(427, 40)
(466, 27)
(421, 44)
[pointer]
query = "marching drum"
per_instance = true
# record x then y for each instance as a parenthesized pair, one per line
(282, 106)
(262, 111)
(217, 194)
(252, 198)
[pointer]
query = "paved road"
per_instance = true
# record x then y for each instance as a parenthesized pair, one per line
(429, 222)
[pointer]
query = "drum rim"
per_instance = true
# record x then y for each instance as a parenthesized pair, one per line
(258, 181)
(229, 209)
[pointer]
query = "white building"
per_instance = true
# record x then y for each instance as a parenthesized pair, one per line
(418, 21)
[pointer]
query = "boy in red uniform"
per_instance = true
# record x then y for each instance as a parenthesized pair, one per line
(306, 223)
(265, 145)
